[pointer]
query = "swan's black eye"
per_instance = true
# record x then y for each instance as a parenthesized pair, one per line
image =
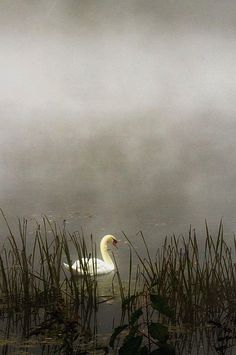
(114, 242)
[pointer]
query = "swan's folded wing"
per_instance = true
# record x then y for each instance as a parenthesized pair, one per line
(90, 266)
(102, 267)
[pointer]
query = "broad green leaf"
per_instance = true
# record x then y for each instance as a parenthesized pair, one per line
(159, 303)
(132, 332)
(158, 331)
(135, 315)
(131, 346)
(116, 332)
(143, 350)
(164, 350)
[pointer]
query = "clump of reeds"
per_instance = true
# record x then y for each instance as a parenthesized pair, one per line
(193, 285)
(33, 279)
(31, 272)
(198, 283)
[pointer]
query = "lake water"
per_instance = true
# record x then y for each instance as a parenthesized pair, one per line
(138, 172)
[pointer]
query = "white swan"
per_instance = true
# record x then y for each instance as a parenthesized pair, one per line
(96, 266)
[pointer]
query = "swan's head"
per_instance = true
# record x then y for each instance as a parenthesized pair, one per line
(114, 242)
(110, 239)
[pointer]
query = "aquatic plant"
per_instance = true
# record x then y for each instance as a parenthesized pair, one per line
(194, 277)
(144, 335)
(197, 282)
(192, 282)
(31, 272)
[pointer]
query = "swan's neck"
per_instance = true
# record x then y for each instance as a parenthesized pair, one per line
(104, 251)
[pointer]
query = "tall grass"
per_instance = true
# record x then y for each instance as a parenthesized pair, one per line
(31, 272)
(197, 280)
(198, 283)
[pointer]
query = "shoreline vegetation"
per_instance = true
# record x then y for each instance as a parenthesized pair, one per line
(181, 299)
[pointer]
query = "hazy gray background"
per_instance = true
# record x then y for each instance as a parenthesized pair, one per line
(119, 115)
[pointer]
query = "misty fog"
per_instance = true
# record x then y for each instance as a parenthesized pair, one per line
(119, 115)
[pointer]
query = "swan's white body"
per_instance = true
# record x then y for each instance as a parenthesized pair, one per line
(96, 266)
